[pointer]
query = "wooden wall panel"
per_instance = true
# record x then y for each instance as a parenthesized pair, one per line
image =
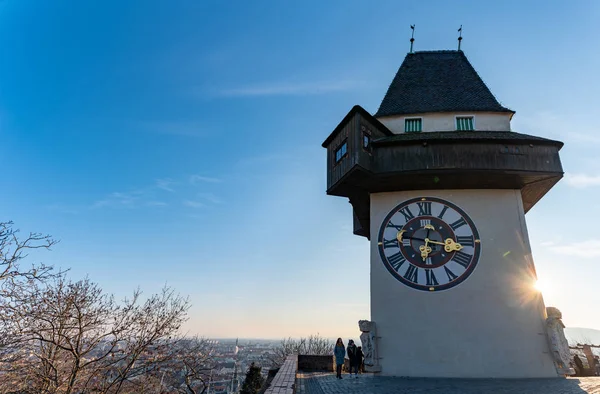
(335, 171)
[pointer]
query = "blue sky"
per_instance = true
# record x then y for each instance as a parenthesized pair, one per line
(179, 142)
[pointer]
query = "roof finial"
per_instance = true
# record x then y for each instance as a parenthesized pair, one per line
(459, 36)
(412, 38)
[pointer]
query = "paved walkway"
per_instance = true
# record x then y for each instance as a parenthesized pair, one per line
(283, 383)
(326, 383)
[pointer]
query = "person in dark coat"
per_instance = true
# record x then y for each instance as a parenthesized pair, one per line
(360, 356)
(351, 349)
(339, 352)
(579, 365)
(597, 364)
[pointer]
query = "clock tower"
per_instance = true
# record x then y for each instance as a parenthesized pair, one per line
(440, 185)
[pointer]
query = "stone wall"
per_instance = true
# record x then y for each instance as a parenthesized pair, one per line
(285, 380)
(309, 363)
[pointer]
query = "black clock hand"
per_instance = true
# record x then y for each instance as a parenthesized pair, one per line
(415, 239)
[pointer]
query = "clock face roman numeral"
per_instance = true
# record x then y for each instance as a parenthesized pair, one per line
(431, 279)
(424, 208)
(466, 240)
(407, 213)
(451, 275)
(390, 243)
(462, 258)
(425, 222)
(390, 224)
(396, 260)
(406, 242)
(460, 222)
(412, 273)
(441, 215)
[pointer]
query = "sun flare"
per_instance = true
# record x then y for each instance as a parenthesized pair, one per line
(541, 286)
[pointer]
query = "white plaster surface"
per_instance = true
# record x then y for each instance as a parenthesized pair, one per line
(489, 326)
(446, 121)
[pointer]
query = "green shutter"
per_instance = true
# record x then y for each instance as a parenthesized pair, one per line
(464, 123)
(412, 125)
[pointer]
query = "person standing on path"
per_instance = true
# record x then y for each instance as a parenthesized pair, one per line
(340, 353)
(352, 356)
(597, 362)
(579, 365)
(359, 359)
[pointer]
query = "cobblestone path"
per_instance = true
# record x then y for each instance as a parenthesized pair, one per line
(326, 383)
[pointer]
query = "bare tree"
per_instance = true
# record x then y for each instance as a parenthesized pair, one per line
(313, 345)
(14, 249)
(189, 370)
(13, 278)
(63, 336)
(80, 340)
(12, 275)
(148, 342)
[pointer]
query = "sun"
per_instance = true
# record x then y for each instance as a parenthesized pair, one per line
(541, 286)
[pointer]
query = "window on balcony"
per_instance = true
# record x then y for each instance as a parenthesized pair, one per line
(366, 142)
(341, 151)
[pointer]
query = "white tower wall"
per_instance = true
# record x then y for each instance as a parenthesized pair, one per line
(489, 326)
(446, 121)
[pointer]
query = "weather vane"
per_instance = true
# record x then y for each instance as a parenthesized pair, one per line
(412, 38)
(459, 36)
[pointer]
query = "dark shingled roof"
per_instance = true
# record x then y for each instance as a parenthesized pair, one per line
(470, 136)
(437, 81)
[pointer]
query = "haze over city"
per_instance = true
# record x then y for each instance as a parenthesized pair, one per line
(180, 143)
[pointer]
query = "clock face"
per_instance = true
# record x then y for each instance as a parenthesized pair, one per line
(429, 244)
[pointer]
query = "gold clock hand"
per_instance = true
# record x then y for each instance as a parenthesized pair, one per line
(425, 250)
(449, 244)
(434, 242)
(452, 246)
(399, 235)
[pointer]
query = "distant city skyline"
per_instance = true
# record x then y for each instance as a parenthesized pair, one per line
(180, 143)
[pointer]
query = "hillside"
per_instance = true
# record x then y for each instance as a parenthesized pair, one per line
(582, 335)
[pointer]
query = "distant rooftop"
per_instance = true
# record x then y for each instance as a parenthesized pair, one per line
(437, 81)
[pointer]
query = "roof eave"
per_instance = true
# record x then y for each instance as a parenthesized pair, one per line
(452, 137)
(402, 113)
